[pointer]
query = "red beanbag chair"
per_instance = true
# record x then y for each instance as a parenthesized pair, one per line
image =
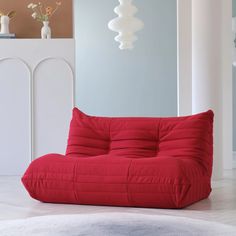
(144, 162)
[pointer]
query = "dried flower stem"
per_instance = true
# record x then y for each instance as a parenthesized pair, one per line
(41, 13)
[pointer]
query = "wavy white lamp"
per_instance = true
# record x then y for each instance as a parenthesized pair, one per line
(126, 24)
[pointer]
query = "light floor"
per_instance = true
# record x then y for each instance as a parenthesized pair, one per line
(220, 207)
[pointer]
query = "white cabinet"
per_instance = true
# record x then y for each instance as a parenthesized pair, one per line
(36, 99)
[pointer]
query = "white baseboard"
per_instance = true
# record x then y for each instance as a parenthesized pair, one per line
(234, 159)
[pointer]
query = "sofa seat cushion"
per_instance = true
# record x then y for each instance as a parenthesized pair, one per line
(163, 182)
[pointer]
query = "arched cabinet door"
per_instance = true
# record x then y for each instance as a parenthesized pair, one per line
(52, 103)
(15, 130)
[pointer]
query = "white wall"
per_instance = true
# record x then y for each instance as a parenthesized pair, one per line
(36, 99)
(208, 47)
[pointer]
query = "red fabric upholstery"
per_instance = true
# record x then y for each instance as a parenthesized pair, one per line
(146, 162)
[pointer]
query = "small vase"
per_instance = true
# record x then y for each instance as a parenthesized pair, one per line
(5, 24)
(46, 30)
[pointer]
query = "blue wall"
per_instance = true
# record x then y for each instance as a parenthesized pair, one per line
(234, 7)
(111, 82)
(234, 108)
(234, 90)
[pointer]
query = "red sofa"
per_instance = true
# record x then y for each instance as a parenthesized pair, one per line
(141, 162)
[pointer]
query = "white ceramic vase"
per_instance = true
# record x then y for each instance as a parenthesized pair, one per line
(5, 25)
(46, 30)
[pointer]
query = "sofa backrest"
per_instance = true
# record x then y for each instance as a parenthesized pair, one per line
(188, 137)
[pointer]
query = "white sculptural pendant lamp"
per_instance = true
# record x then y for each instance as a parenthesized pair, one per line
(126, 24)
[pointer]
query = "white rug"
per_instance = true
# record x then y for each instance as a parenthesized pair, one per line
(112, 224)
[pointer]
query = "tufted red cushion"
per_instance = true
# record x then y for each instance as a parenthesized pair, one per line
(148, 162)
